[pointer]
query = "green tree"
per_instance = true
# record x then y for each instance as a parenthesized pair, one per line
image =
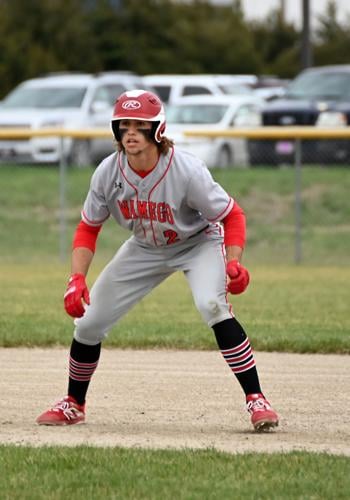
(278, 43)
(155, 36)
(332, 38)
(54, 36)
(220, 40)
(174, 37)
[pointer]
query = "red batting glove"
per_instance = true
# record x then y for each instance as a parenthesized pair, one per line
(239, 277)
(76, 292)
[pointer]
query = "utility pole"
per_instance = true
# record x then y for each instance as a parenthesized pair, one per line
(306, 48)
(283, 10)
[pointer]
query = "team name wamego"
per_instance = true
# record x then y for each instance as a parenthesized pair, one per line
(136, 209)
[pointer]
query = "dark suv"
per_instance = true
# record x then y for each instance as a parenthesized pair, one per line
(317, 96)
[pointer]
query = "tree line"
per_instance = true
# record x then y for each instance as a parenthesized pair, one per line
(156, 36)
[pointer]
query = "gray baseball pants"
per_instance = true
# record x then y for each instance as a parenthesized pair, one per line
(136, 270)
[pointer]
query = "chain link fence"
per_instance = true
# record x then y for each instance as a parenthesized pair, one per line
(271, 147)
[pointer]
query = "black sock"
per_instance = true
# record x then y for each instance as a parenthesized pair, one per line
(82, 364)
(236, 350)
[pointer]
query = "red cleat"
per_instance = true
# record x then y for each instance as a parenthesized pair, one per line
(64, 412)
(263, 417)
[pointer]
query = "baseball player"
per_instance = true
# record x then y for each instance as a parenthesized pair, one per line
(181, 220)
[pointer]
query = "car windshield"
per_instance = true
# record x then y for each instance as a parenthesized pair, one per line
(320, 85)
(232, 88)
(44, 97)
(196, 113)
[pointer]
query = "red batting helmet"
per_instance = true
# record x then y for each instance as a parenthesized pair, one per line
(139, 105)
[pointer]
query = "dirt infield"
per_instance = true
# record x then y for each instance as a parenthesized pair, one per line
(178, 399)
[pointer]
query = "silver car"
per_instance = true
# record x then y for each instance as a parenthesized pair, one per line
(68, 101)
(199, 113)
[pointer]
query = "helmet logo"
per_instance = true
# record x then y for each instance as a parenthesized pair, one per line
(131, 104)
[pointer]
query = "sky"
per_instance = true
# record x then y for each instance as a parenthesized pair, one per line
(255, 9)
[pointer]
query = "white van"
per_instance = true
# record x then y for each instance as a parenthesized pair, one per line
(170, 88)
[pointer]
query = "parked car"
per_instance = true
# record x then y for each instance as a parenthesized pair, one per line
(231, 83)
(270, 87)
(65, 101)
(213, 112)
(318, 96)
(171, 88)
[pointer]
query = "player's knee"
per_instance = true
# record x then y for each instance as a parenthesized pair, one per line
(88, 333)
(209, 308)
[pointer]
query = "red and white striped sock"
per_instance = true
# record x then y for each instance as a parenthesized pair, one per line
(239, 358)
(81, 372)
(237, 352)
(83, 362)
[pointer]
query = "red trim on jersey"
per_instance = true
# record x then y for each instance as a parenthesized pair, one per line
(86, 236)
(156, 184)
(214, 229)
(230, 308)
(92, 222)
(235, 227)
(144, 173)
(123, 173)
(133, 187)
(225, 212)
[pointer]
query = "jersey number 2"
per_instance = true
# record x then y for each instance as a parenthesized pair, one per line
(171, 236)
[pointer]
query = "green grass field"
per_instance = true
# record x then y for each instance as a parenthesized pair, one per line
(29, 216)
(94, 473)
(296, 308)
(288, 308)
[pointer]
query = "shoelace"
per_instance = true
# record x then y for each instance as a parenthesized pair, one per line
(257, 405)
(61, 405)
(70, 412)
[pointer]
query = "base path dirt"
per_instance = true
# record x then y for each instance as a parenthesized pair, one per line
(178, 399)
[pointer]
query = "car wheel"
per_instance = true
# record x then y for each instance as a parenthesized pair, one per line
(80, 154)
(224, 157)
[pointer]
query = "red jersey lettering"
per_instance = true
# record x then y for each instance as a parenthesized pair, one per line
(161, 212)
(124, 208)
(152, 206)
(139, 209)
(142, 209)
(169, 214)
(133, 213)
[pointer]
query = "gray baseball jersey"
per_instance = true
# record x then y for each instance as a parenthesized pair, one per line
(176, 200)
(173, 213)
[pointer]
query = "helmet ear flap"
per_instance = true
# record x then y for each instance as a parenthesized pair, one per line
(154, 129)
(158, 129)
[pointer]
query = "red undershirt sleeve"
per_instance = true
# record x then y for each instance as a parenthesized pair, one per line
(235, 227)
(86, 236)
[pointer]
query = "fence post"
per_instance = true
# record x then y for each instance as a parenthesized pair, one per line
(62, 196)
(298, 237)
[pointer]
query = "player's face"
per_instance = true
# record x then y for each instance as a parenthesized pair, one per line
(135, 135)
